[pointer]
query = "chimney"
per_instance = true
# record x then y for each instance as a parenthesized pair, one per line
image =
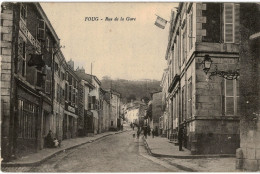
(81, 70)
(71, 64)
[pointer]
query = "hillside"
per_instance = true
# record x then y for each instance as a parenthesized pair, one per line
(130, 89)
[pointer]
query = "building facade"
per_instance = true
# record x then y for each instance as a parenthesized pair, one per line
(114, 99)
(59, 73)
(201, 102)
(156, 111)
(27, 47)
(164, 117)
(70, 120)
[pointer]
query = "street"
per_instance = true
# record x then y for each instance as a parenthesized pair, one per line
(116, 153)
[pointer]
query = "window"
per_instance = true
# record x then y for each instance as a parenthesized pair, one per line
(27, 123)
(47, 44)
(213, 23)
(231, 97)
(70, 93)
(41, 30)
(73, 96)
(93, 102)
(23, 58)
(61, 75)
(111, 123)
(66, 91)
(48, 80)
(183, 103)
(89, 102)
(190, 29)
(23, 12)
(184, 44)
(228, 22)
(21, 63)
(56, 66)
(67, 76)
(76, 97)
(190, 97)
(58, 93)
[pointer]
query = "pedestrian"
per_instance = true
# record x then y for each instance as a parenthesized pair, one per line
(50, 140)
(148, 130)
(153, 133)
(133, 127)
(138, 132)
(180, 137)
(145, 132)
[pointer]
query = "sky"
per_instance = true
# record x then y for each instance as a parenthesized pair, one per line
(131, 50)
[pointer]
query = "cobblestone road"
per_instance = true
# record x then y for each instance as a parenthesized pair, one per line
(117, 153)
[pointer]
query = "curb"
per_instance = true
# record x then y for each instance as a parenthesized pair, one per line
(187, 156)
(10, 164)
(171, 163)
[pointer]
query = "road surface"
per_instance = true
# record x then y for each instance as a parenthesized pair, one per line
(115, 153)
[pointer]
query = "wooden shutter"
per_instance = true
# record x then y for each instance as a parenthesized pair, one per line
(237, 23)
(48, 80)
(41, 30)
(229, 23)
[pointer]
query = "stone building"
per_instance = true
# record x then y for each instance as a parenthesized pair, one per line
(164, 117)
(204, 100)
(85, 124)
(106, 114)
(114, 99)
(60, 67)
(27, 47)
(70, 120)
(156, 110)
(248, 155)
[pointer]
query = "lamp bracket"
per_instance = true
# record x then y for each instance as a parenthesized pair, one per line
(229, 75)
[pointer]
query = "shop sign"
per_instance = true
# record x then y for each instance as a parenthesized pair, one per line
(29, 36)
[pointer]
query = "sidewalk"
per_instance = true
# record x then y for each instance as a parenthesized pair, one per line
(46, 153)
(161, 147)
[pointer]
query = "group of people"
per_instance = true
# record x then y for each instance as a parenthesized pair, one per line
(51, 141)
(145, 129)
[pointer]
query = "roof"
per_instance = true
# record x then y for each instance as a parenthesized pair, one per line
(113, 92)
(83, 76)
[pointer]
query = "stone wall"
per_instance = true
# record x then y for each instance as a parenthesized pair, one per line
(6, 61)
(248, 155)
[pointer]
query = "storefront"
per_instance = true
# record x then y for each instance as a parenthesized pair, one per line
(26, 121)
(70, 122)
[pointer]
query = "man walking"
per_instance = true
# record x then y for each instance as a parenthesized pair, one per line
(180, 137)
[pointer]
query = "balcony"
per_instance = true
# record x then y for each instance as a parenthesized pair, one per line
(174, 82)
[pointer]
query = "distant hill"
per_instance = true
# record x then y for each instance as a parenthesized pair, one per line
(132, 89)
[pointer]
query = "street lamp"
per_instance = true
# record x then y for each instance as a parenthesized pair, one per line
(206, 63)
(229, 75)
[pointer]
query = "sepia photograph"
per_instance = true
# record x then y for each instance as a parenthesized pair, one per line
(143, 86)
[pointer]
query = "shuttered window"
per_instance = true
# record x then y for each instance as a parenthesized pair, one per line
(89, 102)
(229, 23)
(231, 97)
(48, 80)
(190, 29)
(190, 97)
